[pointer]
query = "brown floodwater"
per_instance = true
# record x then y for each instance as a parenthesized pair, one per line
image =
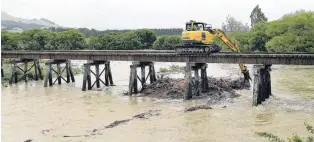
(28, 108)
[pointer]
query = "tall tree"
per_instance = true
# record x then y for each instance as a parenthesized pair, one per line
(258, 37)
(232, 25)
(293, 32)
(257, 16)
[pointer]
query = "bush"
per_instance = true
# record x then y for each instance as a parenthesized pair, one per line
(294, 138)
(167, 42)
(293, 32)
(139, 39)
(9, 41)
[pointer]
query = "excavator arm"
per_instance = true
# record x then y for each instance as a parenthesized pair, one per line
(235, 48)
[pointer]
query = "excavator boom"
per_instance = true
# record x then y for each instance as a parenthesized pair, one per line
(235, 48)
(225, 39)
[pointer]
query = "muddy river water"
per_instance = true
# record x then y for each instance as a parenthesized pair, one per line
(30, 111)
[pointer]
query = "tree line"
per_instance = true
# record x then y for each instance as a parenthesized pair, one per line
(92, 32)
(292, 32)
(40, 39)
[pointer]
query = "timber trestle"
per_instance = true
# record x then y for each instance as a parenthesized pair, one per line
(133, 87)
(26, 71)
(199, 83)
(88, 71)
(2, 74)
(67, 69)
(193, 86)
(261, 83)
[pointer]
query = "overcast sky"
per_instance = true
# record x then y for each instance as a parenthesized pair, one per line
(130, 14)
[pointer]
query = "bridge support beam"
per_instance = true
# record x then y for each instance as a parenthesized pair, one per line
(2, 74)
(133, 88)
(204, 83)
(88, 71)
(199, 83)
(261, 83)
(25, 71)
(67, 69)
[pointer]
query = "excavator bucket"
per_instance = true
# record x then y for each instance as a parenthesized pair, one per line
(247, 76)
(245, 72)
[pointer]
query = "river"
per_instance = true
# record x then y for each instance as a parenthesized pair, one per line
(29, 108)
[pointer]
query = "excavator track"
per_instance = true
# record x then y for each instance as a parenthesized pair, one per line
(197, 49)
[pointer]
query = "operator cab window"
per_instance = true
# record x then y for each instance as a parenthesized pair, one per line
(199, 27)
(196, 27)
(188, 27)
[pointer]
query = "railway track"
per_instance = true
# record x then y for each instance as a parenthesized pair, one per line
(151, 51)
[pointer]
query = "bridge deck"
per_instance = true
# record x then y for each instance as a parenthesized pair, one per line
(167, 56)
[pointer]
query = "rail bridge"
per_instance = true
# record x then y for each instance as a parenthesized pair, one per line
(145, 58)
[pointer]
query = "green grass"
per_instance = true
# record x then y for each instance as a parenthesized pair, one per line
(270, 136)
(295, 138)
(309, 127)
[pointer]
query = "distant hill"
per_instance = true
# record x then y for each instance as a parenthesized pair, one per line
(9, 22)
(18, 25)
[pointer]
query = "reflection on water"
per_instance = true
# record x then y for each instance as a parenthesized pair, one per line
(29, 108)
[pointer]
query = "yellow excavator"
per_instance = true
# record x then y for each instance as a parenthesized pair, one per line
(198, 38)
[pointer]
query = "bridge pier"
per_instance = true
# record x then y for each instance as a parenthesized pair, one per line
(2, 75)
(67, 68)
(25, 71)
(261, 83)
(199, 84)
(134, 77)
(204, 82)
(88, 71)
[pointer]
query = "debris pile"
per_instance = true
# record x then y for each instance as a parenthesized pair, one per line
(197, 108)
(148, 114)
(114, 124)
(97, 131)
(168, 88)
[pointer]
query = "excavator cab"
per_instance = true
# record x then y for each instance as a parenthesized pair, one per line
(197, 26)
(197, 33)
(194, 26)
